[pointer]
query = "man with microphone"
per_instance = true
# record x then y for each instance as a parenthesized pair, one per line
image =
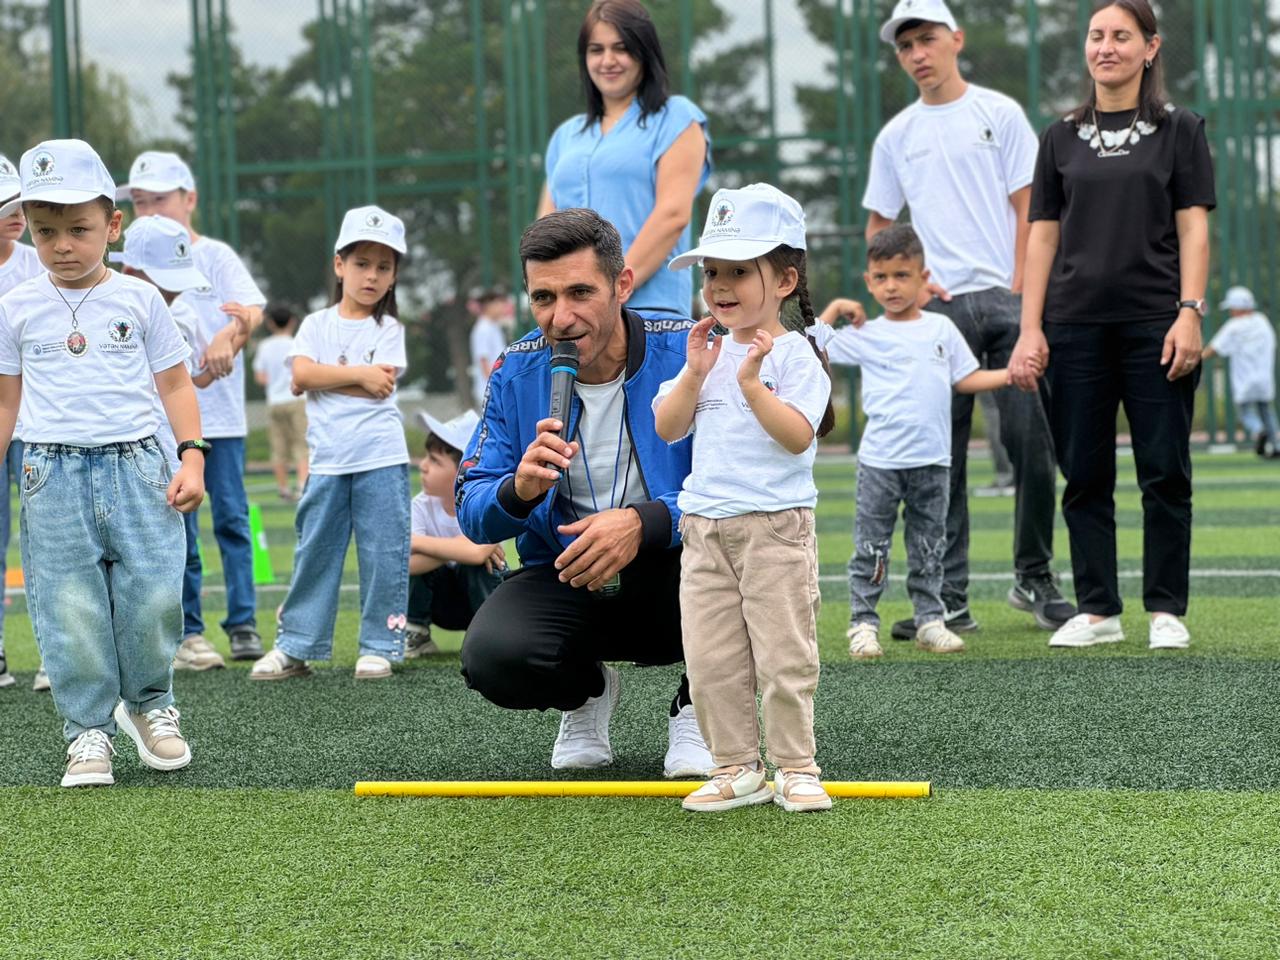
(566, 459)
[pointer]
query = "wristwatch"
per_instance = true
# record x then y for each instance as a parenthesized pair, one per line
(1196, 305)
(204, 446)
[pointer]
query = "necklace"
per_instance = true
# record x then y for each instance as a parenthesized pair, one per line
(343, 348)
(1116, 144)
(77, 345)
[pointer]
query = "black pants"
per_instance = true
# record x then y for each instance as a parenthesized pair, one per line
(1093, 368)
(536, 643)
(989, 321)
(449, 596)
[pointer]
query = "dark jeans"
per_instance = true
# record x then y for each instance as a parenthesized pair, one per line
(449, 596)
(224, 485)
(989, 321)
(536, 644)
(1093, 368)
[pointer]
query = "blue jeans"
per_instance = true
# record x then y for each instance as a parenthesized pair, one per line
(103, 562)
(1258, 416)
(224, 484)
(374, 505)
(10, 471)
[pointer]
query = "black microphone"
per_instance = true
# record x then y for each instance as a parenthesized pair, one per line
(564, 371)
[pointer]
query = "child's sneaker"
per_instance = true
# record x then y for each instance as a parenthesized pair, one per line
(89, 761)
(798, 792)
(161, 745)
(41, 682)
(372, 667)
(278, 665)
(864, 642)
(196, 653)
(245, 643)
(936, 638)
(418, 642)
(735, 787)
(6, 678)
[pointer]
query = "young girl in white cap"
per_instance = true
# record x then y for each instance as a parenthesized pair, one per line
(346, 359)
(756, 401)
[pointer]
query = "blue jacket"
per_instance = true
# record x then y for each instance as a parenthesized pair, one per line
(519, 395)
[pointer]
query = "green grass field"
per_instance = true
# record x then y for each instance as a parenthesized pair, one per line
(1100, 803)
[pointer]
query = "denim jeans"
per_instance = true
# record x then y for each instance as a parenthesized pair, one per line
(924, 491)
(224, 484)
(1259, 416)
(374, 505)
(10, 472)
(102, 553)
(990, 322)
(449, 596)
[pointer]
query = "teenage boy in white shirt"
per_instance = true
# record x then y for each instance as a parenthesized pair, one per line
(161, 183)
(962, 158)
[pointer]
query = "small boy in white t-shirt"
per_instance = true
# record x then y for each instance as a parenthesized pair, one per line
(911, 361)
(449, 575)
(1249, 340)
(84, 351)
(489, 338)
(286, 414)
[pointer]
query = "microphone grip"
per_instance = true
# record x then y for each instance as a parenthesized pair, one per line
(561, 395)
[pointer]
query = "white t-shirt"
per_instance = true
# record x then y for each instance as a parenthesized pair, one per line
(189, 326)
(272, 358)
(352, 434)
(23, 264)
(108, 393)
(429, 519)
(737, 467)
(488, 340)
(956, 165)
(1250, 342)
(222, 402)
(604, 473)
(908, 369)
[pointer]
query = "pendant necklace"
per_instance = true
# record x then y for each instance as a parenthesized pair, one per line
(342, 349)
(1118, 145)
(77, 345)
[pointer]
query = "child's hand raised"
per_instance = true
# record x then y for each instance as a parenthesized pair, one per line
(851, 310)
(703, 350)
(749, 372)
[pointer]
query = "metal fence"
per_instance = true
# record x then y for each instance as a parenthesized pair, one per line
(440, 110)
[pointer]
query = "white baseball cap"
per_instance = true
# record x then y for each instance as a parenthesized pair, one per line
(1239, 298)
(930, 11)
(161, 248)
(10, 182)
(61, 171)
(157, 171)
(373, 224)
(746, 223)
(456, 432)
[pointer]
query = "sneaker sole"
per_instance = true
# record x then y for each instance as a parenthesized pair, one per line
(1018, 602)
(45, 687)
(926, 649)
(88, 780)
(125, 723)
(1096, 641)
(196, 667)
(413, 653)
(1169, 646)
(303, 671)
(763, 795)
(372, 675)
(802, 806)
(249, 654)
(866, 655)
(685, 773)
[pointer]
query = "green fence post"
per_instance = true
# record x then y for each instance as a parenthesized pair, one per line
(59, 68)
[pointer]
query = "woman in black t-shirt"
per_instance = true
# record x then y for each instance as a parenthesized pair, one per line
(1114, 282)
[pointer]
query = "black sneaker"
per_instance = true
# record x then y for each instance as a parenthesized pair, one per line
(1260, 444)
(418, 642)
(6, 678)
(1040, 596)
(957, 621)
(245, 643)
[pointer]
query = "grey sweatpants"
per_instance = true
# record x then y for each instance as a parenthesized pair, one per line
(925, 491)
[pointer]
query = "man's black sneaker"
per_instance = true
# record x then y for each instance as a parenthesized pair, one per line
(1040, 596)
(245, 643)
(957, 621)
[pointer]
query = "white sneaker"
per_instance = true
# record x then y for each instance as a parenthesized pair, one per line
(1079, 632)
(583, 740)
(371, 666)
(864, 642)
(41, 682)
(275, 664)
(936, 638)
(196, 653)
(6, 678)
(799, 792)
(1168, 633)
(89, 761)
(737, 787)
(687, 753)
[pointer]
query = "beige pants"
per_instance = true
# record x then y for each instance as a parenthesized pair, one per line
(749, 608)
(287, 431)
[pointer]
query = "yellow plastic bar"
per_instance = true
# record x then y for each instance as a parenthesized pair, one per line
(609, 788)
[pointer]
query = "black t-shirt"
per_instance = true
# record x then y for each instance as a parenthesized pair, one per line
(1118, 253)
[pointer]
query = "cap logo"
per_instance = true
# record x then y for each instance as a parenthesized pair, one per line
(6, 169)
(373, 220)
(723, 213)
(180, 250)
(42, 164)
(144, 166)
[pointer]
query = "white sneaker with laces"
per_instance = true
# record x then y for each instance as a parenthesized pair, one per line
(89, 761)
(687, 753)
(864, 642)
(371, 666)
(196, 653)
(936, 638)
(41, 682)
(798, 792)
(1079, 632)
(735, 787)
(583, 740)
(1168, 633)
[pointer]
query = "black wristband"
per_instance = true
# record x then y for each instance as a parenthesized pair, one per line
(204, 446)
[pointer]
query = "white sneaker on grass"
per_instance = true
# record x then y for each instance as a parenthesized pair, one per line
(798, 792)
(6, 678)
(687, 753)
(275, 664)
(41, 682)
(934, 637)
(89, 761)
(736, 787)
(1079, 632)
(161, 745)
(583, 740)
(864, 642)
(1168, 633)
(196, 653)
(371, 666)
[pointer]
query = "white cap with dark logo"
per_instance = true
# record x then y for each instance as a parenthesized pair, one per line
(10, 182)
(161, 248)
(371, 224)
(61, 171)
(157, 171)
(456, 432)
(929, 11)
(1239, 298)
(746, 223)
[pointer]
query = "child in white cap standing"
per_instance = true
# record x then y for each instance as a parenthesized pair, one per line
(347, 359)
(756, 402)
(1249, 341)
(85, 350)
(230, 307)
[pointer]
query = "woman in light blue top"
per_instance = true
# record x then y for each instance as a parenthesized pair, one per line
(638, 156)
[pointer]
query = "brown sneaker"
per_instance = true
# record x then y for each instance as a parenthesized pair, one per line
(800, 792)
(735, 787)
(160, 743)
(89, 761)
(196, 653)
(278, 665)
